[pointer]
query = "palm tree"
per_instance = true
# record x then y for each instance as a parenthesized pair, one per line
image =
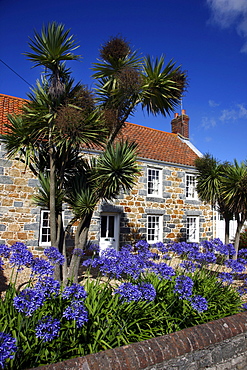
(59, 119)
(234, 191)
(125, 81)
(51, 49)
(209, 186)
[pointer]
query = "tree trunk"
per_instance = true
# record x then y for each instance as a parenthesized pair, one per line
(81, 236)
(227, 230)
(53, 223)
(240, 223)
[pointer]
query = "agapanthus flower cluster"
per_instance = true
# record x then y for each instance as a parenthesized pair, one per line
(54, 256)
(28, 301)
(136, 292)
(7, 348)
(47, 329)
(242, 256)
(183, 286)
(76, 311)
(48, 286)
(74, 291)
(236, 266)
(118, 264)
(199, 303)
(20, 256)
(144, 252)
(41, 267)
(4, 251)
(189, 266)
(226, 277)
(203, 258)
(183, 248)
(161, 247)
(162, 270)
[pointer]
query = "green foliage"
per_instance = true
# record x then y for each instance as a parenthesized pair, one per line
(111, 321)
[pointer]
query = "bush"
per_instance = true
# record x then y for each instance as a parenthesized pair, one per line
(143, 295)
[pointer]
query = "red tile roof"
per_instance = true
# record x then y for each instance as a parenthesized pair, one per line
(152, 144)
(9, 104)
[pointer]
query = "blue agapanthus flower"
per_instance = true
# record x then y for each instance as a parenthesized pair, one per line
(183, 286)
(20, 256)
(4, 251)
(162, 270)
(28, 301)
(7, 348)
(74, 291)
(136, 292)
(47, 329)
(199, 303)
(189, 266)
(54, 256)
(76, 311)
(129, 292)
(48, 286)
(236, 266)
(148, 291)
(226, 277)
(41, 267)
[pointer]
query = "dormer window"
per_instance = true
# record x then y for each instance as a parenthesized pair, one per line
(154, 182)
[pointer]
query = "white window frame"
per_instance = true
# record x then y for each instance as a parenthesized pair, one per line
(44, 228)
(43, 225)
(190, 186)
(154, 228)
(154, 182)
(192, 229)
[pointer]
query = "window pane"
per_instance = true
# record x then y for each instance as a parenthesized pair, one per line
(111, 227)
(103, 226)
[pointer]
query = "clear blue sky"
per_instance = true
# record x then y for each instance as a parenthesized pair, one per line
(208, 38)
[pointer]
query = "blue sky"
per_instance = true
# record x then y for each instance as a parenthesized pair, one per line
(208, 38)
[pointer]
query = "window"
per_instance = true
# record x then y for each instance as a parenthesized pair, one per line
(154, 182)
(192, 229)
(190, 187)
(44, 234)
(154, 228)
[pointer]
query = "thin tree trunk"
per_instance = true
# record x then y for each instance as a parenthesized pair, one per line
(227, 230)
(53, 223)
(240, 223)
(81, 236)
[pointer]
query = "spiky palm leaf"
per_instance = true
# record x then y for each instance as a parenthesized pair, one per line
(52, 46)
(163, 86)
(234, 187)
(42, 198)
(116, 169)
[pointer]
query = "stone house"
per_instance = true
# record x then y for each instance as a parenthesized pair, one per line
(162, 206)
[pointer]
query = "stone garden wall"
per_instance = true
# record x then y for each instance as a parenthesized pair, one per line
(217, 345)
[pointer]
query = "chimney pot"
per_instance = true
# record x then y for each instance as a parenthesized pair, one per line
(176, 115)
(183, 111)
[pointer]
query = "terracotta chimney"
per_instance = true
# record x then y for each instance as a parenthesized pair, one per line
(180, 124)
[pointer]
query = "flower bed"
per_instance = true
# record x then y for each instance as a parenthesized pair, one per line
(140, 293)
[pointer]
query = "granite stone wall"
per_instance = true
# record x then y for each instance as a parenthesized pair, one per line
(20, 219)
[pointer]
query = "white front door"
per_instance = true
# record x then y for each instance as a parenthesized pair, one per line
(109, 231)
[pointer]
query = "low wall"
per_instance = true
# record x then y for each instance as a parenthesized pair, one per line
(217, 345)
